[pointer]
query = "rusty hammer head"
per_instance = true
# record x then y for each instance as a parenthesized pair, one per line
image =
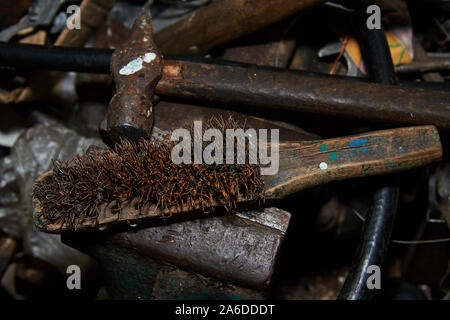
(136, 67)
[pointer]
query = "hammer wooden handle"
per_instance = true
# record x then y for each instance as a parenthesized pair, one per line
(310, 163)
(278, 90)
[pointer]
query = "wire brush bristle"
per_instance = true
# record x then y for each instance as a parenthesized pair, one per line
(146, 172)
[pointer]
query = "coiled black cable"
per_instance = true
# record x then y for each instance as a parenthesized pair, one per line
(379, 222)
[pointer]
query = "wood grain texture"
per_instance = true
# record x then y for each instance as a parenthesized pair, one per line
(223, 21)
(275, 89)
(311, 163)
(93, 14)
(301, 165)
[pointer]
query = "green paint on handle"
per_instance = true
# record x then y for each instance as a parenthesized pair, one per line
(323, 148)
(333, 156)
(436, 135)
(393, 165)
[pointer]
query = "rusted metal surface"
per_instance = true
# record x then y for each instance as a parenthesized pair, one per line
(129, 274)
(136, 67)
(304, 92)
(223, 21)
(230, 247)
(214, 252)
(270, 217)
(424, 66)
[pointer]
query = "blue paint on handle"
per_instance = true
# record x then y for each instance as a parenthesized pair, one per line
(357, 143)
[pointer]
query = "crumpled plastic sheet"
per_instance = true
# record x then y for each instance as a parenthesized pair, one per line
(31, 156)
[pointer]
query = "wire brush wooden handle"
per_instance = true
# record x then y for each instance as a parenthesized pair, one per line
(310, 163)
(301, 165)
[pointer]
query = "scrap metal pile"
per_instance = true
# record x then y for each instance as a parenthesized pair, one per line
(225, 149)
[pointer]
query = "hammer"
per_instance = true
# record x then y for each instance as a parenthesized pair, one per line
(136, 67)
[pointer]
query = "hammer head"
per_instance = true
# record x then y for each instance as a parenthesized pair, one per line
(136, 68)
(129, 116)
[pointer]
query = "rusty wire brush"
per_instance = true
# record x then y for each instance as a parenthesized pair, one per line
(143, 172)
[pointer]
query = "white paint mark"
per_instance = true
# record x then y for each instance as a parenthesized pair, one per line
(135, 65)
(149, 57)
(144, 39)
(323, 166)
(132, 67)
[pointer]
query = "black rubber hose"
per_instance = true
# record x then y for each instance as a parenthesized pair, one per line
(379, 222)
(374, 47)
(27, 56)
(373, 244)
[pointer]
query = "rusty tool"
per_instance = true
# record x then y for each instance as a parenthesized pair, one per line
(275, 89)
(136, 67)
(241, 249)
(424, 66)
(302, 164)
